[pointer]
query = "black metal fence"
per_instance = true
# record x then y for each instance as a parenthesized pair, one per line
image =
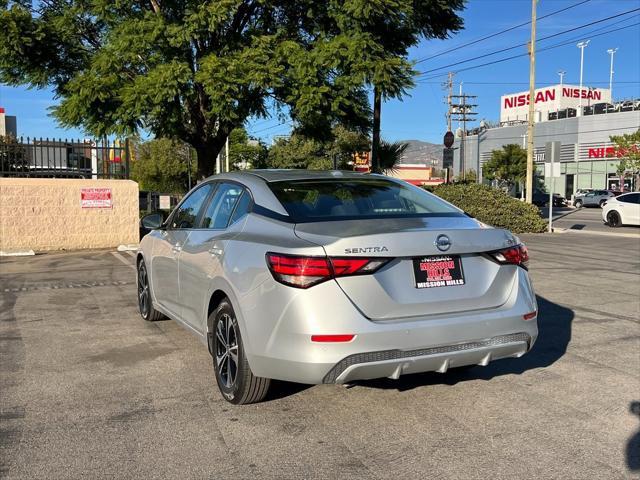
(51, 158)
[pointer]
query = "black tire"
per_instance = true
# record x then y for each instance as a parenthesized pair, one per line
(577, 204)
(145, 305)
(236, 381)
(613, 219)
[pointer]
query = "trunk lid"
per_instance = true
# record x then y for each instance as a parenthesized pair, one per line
(391, 292)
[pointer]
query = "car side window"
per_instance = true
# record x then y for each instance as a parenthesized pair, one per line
(221, 206)
(630, 198)
(242, 207)
(187, 213)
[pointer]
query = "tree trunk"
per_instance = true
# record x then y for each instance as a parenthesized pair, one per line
(207, 153)
(375, 144)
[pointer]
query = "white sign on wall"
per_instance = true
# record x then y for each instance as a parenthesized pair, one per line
(96, 198)
(515, 106)
(164, 202)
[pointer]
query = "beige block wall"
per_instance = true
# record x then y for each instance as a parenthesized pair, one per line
(46, 214)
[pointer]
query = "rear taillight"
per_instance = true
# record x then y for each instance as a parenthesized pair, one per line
(518, 255)
(304, 272)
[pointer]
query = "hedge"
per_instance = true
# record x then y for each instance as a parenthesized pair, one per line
(493, 207)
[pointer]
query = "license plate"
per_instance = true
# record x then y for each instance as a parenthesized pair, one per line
(438, 271)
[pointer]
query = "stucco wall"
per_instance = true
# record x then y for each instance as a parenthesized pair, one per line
(47, 214)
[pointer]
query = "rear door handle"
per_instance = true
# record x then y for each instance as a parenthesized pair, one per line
(177, 248)
(217, 251)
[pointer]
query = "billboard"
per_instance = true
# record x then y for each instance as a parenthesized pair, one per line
(515, 106)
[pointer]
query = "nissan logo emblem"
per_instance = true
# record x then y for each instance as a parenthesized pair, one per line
(442, 243)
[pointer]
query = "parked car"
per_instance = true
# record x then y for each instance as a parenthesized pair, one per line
(330, 277)
(579, 193)
(622, 210)
(596, 198)
(541, 199)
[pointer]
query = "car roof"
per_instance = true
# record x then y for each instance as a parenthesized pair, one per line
(277, 175)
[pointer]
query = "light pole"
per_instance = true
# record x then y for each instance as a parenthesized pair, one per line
(611, 52)
(562, 74)
(581, 46)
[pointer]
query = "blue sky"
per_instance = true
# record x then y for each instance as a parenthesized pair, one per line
(420, 115)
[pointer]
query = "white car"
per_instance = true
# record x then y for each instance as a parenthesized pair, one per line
(622, 210)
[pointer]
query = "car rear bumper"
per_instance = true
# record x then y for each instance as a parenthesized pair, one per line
(393, 363)
(379, 349)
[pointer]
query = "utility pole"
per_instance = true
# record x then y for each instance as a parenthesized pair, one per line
(375, 143)
(611, 52)
(449, 86)
(532, 93)
(463, 112)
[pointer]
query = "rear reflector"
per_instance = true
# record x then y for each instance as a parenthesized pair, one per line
(530, 315)
(518, 255)
(304, 272)
(331, 338)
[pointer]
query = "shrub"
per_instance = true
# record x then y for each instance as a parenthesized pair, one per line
(493, 206)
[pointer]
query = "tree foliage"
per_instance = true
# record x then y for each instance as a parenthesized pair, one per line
(161, 165)
(13, 155)
(300, 151)
(508, 166)
(195, 70)
(245, 152)
(389, 156)
(628, 149)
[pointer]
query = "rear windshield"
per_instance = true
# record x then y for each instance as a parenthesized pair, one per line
(318, 200)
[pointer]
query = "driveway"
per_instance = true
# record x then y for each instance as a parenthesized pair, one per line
(587, 220)
(89, 390)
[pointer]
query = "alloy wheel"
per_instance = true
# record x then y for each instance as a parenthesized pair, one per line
(226, 350)
(143, 291)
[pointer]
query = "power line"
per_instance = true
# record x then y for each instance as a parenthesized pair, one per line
(472, 42)
(502, 50)
(526, 54)
(272, 127)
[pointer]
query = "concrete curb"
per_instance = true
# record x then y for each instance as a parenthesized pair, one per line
(604, 234)
(131, 247)
(16, 253)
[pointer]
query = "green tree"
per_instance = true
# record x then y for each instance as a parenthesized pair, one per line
(389, 156)
(245, 152)
(507, 166)
(13, 155)
(470, 176)
(161, 165)
(300, 151)
(195, 70)
(628, 149)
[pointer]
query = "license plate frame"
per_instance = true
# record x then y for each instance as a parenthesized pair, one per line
(434, 271)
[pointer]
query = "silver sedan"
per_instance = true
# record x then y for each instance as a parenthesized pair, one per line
(331, 277)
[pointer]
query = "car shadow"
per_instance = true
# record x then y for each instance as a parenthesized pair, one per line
(554, 324)
(633, 445)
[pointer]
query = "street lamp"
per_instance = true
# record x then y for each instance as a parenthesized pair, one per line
(562, 74)
(611, 52)
(581, 46)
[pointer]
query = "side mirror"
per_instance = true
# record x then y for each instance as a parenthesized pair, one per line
(153, 221)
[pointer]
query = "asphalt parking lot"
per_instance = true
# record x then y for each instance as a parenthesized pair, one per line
(89, 390)
(587, 220)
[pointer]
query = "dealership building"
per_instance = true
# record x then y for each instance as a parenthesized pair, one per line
(581, 119)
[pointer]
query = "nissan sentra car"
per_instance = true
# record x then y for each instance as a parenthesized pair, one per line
(331, 277)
